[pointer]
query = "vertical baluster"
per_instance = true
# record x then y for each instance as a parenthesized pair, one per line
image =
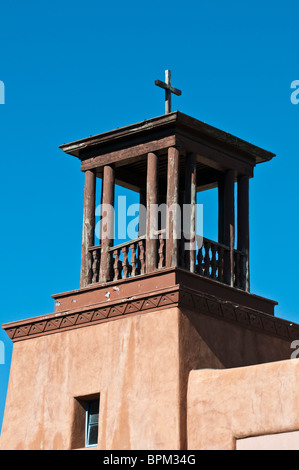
(207, 259)
(133, 247)
(117, 265)
(244, 267)
(161, 251)
(199, 257)
(141, 256)
(95, 265)
(214, 261)
(125, 264)
(220, 263)
(237, 269)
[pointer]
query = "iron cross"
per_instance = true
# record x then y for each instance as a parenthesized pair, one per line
(168, 90)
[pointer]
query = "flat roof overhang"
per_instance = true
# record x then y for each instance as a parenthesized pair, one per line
(127, 147)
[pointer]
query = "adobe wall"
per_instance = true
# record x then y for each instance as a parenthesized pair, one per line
(139, 364)
(211, 342)
(227, 406)
(133, 362)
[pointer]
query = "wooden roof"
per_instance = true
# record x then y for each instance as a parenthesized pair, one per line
(126, 148)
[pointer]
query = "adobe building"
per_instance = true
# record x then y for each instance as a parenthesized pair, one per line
(161, 347)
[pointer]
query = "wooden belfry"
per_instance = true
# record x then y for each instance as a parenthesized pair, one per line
(168, 159)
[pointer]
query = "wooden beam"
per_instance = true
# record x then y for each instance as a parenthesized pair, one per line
(214, 156)
(128, 155)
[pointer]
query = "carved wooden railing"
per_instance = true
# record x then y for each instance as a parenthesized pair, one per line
(211, 259)
(128, 259)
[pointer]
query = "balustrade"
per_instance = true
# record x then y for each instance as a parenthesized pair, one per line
(128, 260)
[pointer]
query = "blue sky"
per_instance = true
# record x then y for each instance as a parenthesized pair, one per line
(73, 69)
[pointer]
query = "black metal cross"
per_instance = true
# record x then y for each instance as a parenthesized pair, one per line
(168, 90)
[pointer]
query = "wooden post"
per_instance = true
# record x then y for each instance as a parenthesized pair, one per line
(227, 209)
(220, 211)
(172, 207)
(142, 216)
(243, 225)
(190, 199)
(88, 228)
(152, 213)
(107, 224)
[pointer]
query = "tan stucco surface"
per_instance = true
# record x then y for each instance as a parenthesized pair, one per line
(132, 362)
(139, 364)
(225, 405)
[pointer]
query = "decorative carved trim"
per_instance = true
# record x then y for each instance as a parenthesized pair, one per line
(178, 296)
(244, 316)
(103, 312)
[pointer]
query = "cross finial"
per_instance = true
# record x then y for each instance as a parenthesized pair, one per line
(168, 90)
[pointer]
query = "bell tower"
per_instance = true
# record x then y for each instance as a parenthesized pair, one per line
(167, 160)
(110, 366)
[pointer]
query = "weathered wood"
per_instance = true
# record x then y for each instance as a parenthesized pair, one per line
(168, 90)
(228, 217)
(141, 256)
(142, 214)
(207, 246)
(88, 228)
(96, 254)
(220, 211)
(161, 251)
(117, 265)
(152, 214)
(125, 264)
(127, 155)
(107, 224)
(173, 90)
(213, 155)
(190, 200)
(243, 227)
(134, 268)
(195, 128)
(172, 207)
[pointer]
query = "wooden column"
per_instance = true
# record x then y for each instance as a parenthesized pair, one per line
(190, 200)
(107, 223)
(142, 215)
(227, 223)
(172, 207)
(220, 211)
(243, 225)
(152, 213)
(88, 227)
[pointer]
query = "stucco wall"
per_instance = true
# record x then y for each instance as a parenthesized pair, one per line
(139, 364)
(225, 405)
(132, 362)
